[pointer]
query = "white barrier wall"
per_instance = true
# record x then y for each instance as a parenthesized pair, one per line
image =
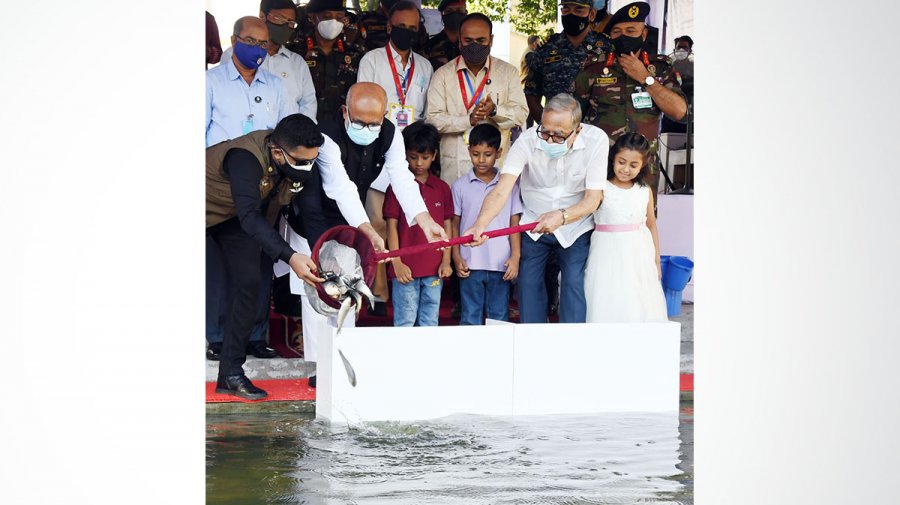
(407, 374)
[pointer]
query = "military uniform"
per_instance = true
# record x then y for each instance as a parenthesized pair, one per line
(373, 29)
(606, 93)
(439, 50)
(332, 74)
(554, 65)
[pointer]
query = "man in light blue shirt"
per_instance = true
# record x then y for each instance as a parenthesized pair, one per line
(298, 90)
(241, 97)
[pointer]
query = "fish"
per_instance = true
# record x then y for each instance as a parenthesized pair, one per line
(342, 313)
(351, 374)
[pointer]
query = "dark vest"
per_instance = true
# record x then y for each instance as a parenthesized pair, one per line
(362, 163)
(273, 190)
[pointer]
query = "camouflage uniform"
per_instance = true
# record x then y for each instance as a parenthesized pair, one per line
(439, 50)
(604, 91)
(554, 65)
(372, 30)
(332, 74)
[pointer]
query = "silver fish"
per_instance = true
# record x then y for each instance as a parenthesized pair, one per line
(351, 374)
(342, 313)
(360, 287)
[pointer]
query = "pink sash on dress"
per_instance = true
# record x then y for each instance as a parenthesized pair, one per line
(618, 227)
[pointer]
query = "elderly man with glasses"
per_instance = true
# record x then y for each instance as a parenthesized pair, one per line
(562, 164)
(280, 17)
(370, 149)
(241, 97)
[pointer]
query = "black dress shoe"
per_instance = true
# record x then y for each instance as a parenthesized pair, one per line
(312, 381)
(239, 385)
(261, 350)
(379, 310)
(212, 351)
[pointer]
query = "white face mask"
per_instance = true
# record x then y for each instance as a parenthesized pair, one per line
(329, 29)
(681, 54)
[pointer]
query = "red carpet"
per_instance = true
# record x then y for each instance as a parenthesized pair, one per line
(282, 390)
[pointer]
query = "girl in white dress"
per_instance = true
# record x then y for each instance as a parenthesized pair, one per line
(622, 277)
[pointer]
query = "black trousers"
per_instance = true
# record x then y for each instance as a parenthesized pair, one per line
(243, 260)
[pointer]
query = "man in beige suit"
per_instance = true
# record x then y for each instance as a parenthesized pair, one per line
(471, 89)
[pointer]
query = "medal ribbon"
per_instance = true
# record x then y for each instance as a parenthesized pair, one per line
(476, 95)
(401, 89)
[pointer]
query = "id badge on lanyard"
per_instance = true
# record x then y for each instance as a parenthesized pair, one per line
(641, 99)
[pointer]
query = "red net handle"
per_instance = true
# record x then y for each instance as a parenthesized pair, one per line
(430, 246)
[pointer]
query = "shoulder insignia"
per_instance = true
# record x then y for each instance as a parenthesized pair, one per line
(310, 63)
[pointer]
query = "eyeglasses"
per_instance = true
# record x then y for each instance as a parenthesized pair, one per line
(281, 20)
(553, 137)
(290, 158)
(358, 125)
(250, 41)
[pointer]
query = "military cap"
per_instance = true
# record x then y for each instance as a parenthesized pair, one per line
(635, 12)
(325, 5)
(586, 3)
(447, 3)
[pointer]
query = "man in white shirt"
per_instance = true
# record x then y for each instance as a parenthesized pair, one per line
(403, 74)
(472, 89)
(365, 146)
(563, 165)
(298, 90)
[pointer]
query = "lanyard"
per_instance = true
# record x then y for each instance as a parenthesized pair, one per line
(401, 89)
(476, 95)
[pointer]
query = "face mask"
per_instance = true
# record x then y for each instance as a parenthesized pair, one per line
(599, 4)
(681, 54)
(574, 25)
(279, 34)
(362, 137)
(553, 151)
(626, 45)
(250, 56)
(329, 29)
(474, 53)
(452, 19)
(402, 38)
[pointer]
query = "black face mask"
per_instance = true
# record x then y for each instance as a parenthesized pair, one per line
(279, 34)
(452, 20)
(402, 38)
(293, 174)
(475, 53)
(626, 45)
(573, 25)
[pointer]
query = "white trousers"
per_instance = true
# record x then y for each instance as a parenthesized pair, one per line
(314, 324)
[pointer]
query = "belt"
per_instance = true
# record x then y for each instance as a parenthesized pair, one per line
(618, 227)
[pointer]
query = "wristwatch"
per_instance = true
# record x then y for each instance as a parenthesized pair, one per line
(650, 80)
(565, 214)
(493, 112)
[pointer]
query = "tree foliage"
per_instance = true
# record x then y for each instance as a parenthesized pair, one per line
(531, 17)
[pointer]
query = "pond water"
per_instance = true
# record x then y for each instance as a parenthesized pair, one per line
(289, 458)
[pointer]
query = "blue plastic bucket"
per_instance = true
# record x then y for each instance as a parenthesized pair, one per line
(663, 265)
(673, 302)
(678, 273)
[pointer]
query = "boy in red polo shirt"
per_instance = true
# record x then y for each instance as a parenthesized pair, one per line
(416, 280)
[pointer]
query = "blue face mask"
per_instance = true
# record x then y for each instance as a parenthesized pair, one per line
(362, 137)
(250, 56)
(599, 4)
(553, 151)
